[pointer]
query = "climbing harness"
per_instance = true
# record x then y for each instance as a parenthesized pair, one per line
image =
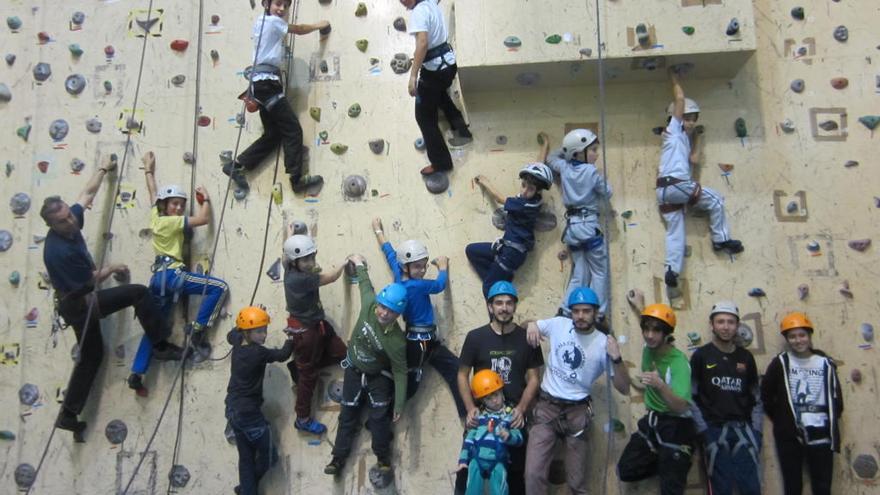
(355, 401)
(745, 439)
(664, 182)
(655, 441)
(560, 421)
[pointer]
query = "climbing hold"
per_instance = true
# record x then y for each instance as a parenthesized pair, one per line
(75, 50)
(587, 52)
(338, 148)
(42, 71)
(277, 193)
(381, 477)
(400, 24)
(787, 126)
(855, 375)
(553, 39)
(693, 338)
(733, 27)
(354, 110)
(757, 292)
(14, 278)
(419, 144)
(813, 247)
(21, 203)
(93, 125)
(562, 255)
(870, 121)
(844, 290)
(76, 165)
(324, 67)
(436, 183)
(75, 84)
(43, 166)
(5, 93)
(25, 474)
(10, 58)
(178, 80)
(512, 42)
(528, 78)
(14, 22)
(7, 435)
(24, 131)
(315, 113)
(501, 140)
(28, 394)
(179, 45)
(867, 331)
(642, 34)
(215, 19)
(841, 33)
(334, 391)
(859, 245)
(215, 56)
(744, 335)
(688, 30)
(797, 85)
(109, 51)
(828, 125)
(401, 63)
(726, 168)
(354, 186)
(361, 10)
(189, 158)
(362, 44)
(499, 219)
(274, 271)
(77, 18)
(204, 121)
(324, 135)
(377, 146)
(58, 129)
(865, 466)
(10, 167)
(839, 83)
(116, 431)
(851, 163)
(178, 476)
(797, 13)
(239, 194)
(740, 126)
(43, 37)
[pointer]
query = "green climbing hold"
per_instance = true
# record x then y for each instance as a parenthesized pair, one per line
(315, 113)
(75, 50)
(323, 135)
(540, 139)
(361, 10)
(24, 132)
(354, 110)
(688, 30)
(870, 121)
(553, 39)
(740, 126)
(617, 425)
(627, 214)
(7, 435)
(362, 45)
(338, 148)
(512, 42)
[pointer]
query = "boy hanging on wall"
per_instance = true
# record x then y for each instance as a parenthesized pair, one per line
(280, 124)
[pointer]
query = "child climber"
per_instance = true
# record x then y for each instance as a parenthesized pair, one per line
(422, 343)
(280, 125)
(494, 261)
(244, 396)
(484, 453)
(170, 226)
(583, 191)
(676, 190)
(315, 343)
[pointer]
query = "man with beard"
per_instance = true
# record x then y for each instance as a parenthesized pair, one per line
(576, 359)
(501, 346)
(728, 412)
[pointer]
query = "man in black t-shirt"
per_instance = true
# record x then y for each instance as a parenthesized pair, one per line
(728, 408)
(502, 347)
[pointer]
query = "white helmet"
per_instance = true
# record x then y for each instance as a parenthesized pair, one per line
(690, 106)
(540, 172)
(576, 141)
(299, 246)
(411, 251)
(170, 191)
(728, 307)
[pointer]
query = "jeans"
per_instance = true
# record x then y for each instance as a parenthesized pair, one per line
(256, 450)
(314, 348)
(280, 126)
(733, 452)
(432, 94)
(419, 353)
(75, 311)
(491, 265)
(358, 388)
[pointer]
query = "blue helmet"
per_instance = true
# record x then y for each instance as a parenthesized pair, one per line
(582, 295)
(393, 297)
(502, 287)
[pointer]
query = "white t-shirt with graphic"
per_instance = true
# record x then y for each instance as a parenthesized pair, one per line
(426, 17)
(574, 361)
(806, 382)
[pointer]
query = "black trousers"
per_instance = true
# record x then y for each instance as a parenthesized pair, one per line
(820, 463)
(642, 458)
(280, 126)
(376, 391)
(420, 353)
(75, 309)
(431, 96)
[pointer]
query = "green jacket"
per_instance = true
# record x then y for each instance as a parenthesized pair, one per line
(373, 349)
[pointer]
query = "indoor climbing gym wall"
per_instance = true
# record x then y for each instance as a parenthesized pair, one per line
(790, 98)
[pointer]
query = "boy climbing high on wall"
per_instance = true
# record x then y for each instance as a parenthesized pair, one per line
(675, 188)
(280, 125)
(422, 344)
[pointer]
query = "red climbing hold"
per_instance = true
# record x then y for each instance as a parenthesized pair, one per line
(204, 121)
(43, 36)
(179, 45)
(109, 51)
(839, 82)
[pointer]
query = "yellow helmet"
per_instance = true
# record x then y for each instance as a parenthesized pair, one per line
(252, 317)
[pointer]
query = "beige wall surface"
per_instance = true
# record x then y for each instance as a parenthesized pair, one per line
(834, 204)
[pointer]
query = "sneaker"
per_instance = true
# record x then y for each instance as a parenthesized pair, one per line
(671, 278)
(305, 183)
(136, 383)
(166, 351)
(732, 246)
(310, 425)
(462, 137)
(335, 466)
(237, 177)
(430, 170)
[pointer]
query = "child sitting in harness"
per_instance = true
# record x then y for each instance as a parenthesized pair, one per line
(484, 452)
(498, 260)
(171, 227)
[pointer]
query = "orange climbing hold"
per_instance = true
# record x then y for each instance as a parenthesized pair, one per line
(179, 45)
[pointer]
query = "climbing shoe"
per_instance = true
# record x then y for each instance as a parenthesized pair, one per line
(237, 177)
(335, 466)
(166, 351)
(199, 347)
(671, 278)
(136, 383)
(732, 246)
(430, 170)
(310, 425)
(67, 421)
(462, 137)
(305, 183)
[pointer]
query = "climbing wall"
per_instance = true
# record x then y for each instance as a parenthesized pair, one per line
(79, 82)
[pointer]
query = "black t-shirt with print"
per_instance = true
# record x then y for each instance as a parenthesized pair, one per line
(509, 355)
(725, 383)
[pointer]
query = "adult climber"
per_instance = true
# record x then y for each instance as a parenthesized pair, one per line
(82, 305)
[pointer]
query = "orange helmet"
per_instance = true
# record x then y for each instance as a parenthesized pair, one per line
(252, 317)
(485, 382)
(795, 320)
(662, 312)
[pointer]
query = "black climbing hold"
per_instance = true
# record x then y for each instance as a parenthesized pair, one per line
(377, 146)
(274, 271)
(740, 128)
(116, 431)
(401, 63)
(642, 35)
(58, 129)
(21, 203)
(5, 93)
(744, 335)
(28, 394)
(178, 476)
(299, 227)
(400, 24)
(147, 24)
(77, 18)
(189, 158)
(797, 13)
(381, 477)
(867, 331)
(733, 27)
(93, 125)
(865, 466)
(841, 33)
(76, 165)
(803, 291)
(354, 110)
(25, 474)
(851, 163)
(797, 85)
(334, 390)
(859, 245)
(354, 186)
(75, 84)
(361, 10)
(501, 140)
(757, 292)
(10, 58)
(178, 80)
(436, 183)
(829, 125)
(5, 240)
(42, 71)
